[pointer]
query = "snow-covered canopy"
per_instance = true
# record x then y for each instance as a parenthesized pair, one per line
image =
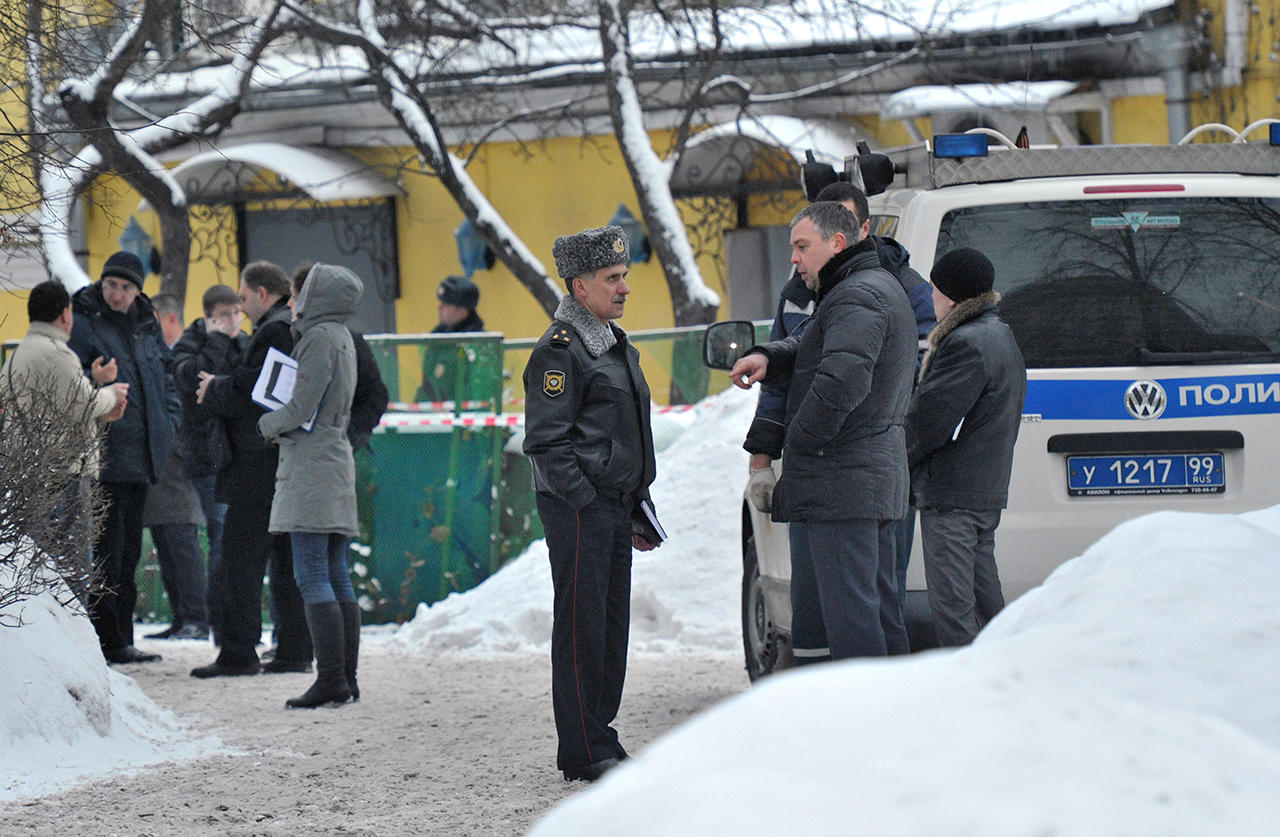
(937, 98)
(721, 154)
(320, 173)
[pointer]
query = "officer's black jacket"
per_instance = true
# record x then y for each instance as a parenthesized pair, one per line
(587, 418)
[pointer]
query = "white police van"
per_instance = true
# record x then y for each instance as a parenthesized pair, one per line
(1143, 286)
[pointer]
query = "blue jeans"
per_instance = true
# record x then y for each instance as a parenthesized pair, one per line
(320, 567)
(844, 599)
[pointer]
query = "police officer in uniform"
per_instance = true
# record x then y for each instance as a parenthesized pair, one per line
(587, 433)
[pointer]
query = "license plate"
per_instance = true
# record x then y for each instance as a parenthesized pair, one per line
(1161, 473)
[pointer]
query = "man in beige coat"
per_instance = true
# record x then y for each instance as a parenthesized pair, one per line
(42, 380)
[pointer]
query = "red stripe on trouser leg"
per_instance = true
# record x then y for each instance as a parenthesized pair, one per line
(577, 679)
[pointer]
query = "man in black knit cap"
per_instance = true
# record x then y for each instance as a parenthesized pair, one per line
(118, 339)
(961, 428)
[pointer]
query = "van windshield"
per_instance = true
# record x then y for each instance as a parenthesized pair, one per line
(1133, 281)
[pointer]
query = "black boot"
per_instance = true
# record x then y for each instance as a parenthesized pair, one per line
(324, 620)
(351, 632)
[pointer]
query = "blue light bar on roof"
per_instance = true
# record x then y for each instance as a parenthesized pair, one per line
(1275, 133)
(959, 145)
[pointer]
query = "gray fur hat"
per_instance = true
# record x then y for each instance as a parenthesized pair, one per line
(586, 252)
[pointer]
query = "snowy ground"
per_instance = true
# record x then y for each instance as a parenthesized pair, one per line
(684, 595)
(444, 671)
(65, 715)
(1133, 693)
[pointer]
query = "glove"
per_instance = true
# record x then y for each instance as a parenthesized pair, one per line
(760, 488)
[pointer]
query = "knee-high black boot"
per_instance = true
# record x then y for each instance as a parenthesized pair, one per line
(324, 620)
(351, 632)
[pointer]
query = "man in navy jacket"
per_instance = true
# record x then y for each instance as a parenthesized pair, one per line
(118, 339)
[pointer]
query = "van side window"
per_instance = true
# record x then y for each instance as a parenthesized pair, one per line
(884, 225)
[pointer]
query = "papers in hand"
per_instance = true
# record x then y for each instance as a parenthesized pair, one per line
(274, 387)
(648, 520)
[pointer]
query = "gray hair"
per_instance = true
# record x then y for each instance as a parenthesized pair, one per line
(829, 218)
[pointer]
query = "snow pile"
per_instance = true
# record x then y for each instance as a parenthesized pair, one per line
(1133, 693)
(684, 595)
(65, 715)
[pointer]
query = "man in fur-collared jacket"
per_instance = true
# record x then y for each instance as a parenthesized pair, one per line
(961, 428)
(587, 432)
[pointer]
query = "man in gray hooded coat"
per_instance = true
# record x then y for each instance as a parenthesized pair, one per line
(315, 497)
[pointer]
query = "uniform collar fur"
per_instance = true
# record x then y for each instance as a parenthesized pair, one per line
(598, 337)
(961, 314)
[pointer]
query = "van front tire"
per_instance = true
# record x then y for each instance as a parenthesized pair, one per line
(764, 647)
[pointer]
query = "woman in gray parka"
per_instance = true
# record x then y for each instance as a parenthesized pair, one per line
(315, 497)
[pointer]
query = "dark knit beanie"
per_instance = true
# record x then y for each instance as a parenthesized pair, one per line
(963, 274)
(584, 253)
(459, 291)
(126, 266)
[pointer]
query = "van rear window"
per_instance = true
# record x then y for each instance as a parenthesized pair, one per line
(1133, 281)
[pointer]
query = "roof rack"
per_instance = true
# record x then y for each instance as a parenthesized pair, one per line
(1005, 162)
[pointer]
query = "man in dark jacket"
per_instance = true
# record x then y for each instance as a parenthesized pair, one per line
(795, 305)
(961, 428)
(587, 432)
(845, 470)
(117, 338)
(247, 483)
(441, 366)
(212, 344)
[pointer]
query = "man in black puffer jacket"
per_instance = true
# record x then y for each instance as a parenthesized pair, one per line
(117, 338)
(960, 434)
(844, 459)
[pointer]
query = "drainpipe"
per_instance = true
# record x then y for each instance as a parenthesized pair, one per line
(1235, 30)
(1171, 46)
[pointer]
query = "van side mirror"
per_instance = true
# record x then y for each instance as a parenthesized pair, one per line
(724, 343)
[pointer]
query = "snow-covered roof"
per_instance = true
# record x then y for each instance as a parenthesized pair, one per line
(320, 173)
(540, 56)
(936, 98)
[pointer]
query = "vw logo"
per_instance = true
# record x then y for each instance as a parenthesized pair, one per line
(1145, 400)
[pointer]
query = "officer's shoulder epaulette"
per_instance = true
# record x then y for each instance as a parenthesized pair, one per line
(559, 335)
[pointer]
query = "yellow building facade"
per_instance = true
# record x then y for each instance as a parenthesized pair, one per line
(570, 183)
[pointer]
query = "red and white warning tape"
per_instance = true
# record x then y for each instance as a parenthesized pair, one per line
(410, 418)
(434, 406)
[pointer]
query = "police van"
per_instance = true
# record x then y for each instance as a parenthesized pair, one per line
(1143, 286)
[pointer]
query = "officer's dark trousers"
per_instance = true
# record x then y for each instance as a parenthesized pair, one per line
(115, 560)
(590, 553)
(844, 590)
(247, 547)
